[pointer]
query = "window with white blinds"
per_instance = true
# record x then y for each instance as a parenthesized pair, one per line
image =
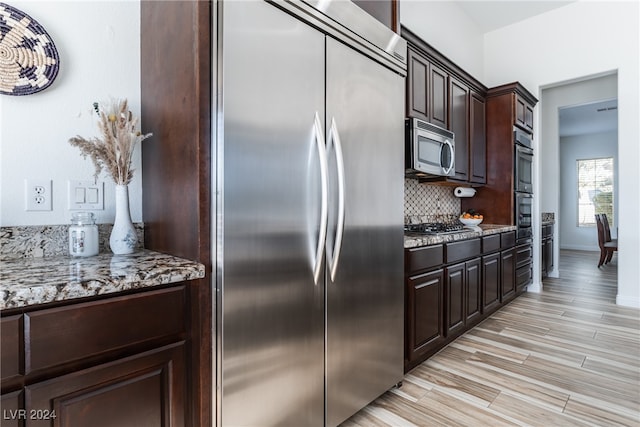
(595, 190)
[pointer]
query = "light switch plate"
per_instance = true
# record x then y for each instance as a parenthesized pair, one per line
(85, 195)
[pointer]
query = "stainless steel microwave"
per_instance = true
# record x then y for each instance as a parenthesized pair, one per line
(429, 150)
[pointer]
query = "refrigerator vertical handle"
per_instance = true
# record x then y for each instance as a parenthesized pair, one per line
(334, 138)
(324, 210)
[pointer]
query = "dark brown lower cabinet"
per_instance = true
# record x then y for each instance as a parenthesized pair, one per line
(546, 258)
(491, 280)
(13, 412)
(11, 351)
(117, 361)
(508, 273)
(524, 262)
(424, 318)
(462, 296)
(473, 290)
(548, 254)
(455, 284)
(451, 287)
(143, 390)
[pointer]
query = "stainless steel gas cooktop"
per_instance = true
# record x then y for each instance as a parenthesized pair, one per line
(432, 228)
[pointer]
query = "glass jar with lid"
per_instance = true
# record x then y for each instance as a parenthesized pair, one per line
(83, 235)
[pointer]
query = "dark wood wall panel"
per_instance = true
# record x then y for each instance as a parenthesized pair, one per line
(176, 107)
(176, 75)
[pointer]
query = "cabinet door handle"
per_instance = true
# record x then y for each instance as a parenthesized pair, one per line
(334, 256)
(324, 210)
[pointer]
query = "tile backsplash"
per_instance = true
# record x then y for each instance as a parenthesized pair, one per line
(429, 202)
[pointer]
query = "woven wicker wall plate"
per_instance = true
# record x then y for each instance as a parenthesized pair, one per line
(29, 60)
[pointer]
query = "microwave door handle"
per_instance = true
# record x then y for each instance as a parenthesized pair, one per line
(324, 210)
(334, 137)
(452, 156)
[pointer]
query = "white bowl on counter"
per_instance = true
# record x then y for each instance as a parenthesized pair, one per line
(470, 222)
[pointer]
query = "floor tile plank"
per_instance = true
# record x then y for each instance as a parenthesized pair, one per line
(563, 357)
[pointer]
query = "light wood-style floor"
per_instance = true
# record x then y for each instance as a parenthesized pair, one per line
(565, 357)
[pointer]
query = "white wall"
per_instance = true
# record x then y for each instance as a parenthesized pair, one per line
(446, 27)
(551, 100)
(582, 39)
(99, 48)
(573, 148)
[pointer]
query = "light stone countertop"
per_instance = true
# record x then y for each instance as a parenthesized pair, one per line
(415, 240)
(30, 281)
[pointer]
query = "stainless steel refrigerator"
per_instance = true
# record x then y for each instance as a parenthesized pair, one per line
(309, 215)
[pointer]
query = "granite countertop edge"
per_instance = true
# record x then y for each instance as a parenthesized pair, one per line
(27, 282)
(414, 241)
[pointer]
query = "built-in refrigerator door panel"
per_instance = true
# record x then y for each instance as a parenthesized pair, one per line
(271, 330)
(365, 303)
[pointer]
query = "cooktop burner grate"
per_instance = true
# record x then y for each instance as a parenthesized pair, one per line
(434, 228)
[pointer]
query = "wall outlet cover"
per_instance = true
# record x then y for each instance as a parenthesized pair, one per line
(38, 194)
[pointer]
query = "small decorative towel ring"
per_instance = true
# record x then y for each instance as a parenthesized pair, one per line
(28, 58)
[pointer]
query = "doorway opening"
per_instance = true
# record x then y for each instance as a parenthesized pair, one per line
(578, 175)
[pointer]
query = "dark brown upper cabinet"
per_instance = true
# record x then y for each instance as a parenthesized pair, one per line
(459, 125)
(426, 90)
(506, 106)
(417, 84)
(477, 139)
(437, 97)
(443, 94)
(523, 114)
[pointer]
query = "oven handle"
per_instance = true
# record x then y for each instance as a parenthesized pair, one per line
(324, 210)
(452, 156)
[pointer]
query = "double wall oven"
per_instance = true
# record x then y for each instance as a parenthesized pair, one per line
(523, 183)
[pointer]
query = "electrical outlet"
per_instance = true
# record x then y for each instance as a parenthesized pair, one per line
(38, 194)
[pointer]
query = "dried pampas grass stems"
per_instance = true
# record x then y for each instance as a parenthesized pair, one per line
(114, 152)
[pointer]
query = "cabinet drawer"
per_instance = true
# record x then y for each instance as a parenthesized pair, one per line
(547, 230)
(458, 251)
(490, 243)
(12, 347)
(508, 240)
(524, 275)
(79, 331)
(524, 254)
(417, 259)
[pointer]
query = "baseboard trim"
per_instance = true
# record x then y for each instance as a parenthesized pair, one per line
(581, 248)
(626, 301)
(535, 287)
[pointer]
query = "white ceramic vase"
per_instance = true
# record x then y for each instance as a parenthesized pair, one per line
(123, 239)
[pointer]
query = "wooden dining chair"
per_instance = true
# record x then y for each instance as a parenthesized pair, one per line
(607, 230)
(607, 248)
(607, 237)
